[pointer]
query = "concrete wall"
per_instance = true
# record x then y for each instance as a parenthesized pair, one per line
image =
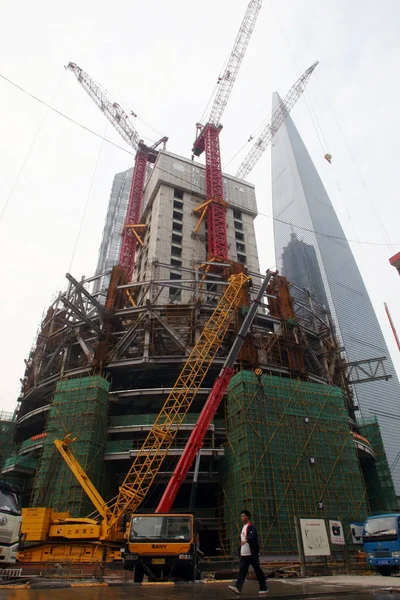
(175, 188)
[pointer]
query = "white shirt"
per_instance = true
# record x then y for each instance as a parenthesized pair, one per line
(245, 549)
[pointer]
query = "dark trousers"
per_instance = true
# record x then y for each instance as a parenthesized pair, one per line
(254, 561)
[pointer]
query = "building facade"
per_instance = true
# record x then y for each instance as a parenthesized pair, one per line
(311, 250)
(175, 189)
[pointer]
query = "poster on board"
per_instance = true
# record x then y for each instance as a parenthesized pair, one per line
(336, 533)
(356, 530)
(315, 537)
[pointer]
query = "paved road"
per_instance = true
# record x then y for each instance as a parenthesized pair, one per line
(194, 592)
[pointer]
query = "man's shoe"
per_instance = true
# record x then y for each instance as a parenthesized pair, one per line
(234, 589)
(263, 592)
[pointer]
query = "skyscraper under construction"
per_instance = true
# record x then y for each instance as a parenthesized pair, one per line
(102, 371)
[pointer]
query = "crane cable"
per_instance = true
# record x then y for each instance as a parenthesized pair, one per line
(357, 169)
(341, 131)
(30, 148)
(130, 111)
(312, 113)
(87, 198)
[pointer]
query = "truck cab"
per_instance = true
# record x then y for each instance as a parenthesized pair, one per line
(161, 546)
(382, 542)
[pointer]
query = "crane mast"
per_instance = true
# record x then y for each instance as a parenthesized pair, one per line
(144, 154)
(278, 117)
(208, 139)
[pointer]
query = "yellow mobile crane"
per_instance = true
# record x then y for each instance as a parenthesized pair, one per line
(51, 536)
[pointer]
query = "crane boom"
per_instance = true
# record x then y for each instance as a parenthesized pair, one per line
(76, 468)
(163, 432)
(227, 80)
(144, 154)
(208, 140)
(278, 117)
(114, 113)
(207, 414)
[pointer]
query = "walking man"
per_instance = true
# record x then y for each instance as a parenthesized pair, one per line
(249, 555)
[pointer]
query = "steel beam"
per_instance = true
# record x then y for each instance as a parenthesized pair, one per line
(88, 295)
(81, 316)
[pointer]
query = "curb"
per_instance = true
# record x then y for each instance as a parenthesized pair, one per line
(49, 585)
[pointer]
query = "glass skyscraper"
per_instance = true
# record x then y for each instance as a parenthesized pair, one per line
(323, 263)
(112, 233)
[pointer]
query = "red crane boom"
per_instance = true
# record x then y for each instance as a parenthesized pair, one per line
(208, 139)
(218, 390)
(144, 154)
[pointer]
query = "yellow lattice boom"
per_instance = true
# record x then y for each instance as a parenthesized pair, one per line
(161, 436)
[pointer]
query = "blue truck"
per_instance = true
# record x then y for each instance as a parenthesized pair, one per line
(381, 540)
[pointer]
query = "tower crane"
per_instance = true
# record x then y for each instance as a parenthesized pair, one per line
(144, 155)
(207, 140)
(278, 117)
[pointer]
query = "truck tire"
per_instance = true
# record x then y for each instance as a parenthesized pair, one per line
(138, 574)
(385, 571)
(128, 566)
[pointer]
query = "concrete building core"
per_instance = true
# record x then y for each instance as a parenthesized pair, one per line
(174, 190)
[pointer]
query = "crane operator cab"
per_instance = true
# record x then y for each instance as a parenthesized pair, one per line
(162, 546)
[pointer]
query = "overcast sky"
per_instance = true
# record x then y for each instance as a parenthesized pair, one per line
(162, 60)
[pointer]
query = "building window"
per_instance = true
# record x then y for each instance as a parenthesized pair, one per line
(177, 226)
(176, 251)
(237, 215)
(239, 225)
(241, 258)
(175, 262)
(240, 247)
(178, 204)
(239, 236)
(178, 194)
(174, 292)
(176, 238)
(178, 216)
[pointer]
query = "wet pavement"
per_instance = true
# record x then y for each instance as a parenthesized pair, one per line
(217, 591)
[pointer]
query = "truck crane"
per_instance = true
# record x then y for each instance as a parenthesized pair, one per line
(162, 543)
(60, 537)
(173, 546)
(277, 119)
(207, 140)
(144, 155)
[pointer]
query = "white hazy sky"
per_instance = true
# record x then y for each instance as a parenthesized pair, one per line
(162, 59)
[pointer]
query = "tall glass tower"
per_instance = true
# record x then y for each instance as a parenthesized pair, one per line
(323, 263)
(112, 233)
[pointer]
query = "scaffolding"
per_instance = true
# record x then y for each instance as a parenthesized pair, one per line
(377, 474)
(7, 430)
(289, 452)
(79, 407)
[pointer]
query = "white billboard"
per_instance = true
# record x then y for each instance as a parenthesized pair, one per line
(315, 537)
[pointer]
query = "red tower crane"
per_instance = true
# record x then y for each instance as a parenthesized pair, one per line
(208, 139)
(144, 155)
